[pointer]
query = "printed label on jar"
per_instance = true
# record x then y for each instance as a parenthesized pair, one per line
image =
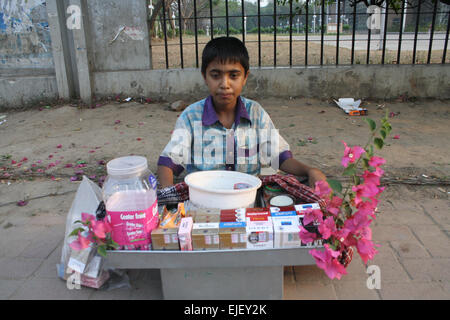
(153, 182)
(131, 228)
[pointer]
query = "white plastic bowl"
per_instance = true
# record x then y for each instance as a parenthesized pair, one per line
(215, 189)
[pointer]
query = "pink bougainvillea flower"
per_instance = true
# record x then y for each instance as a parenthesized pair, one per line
(40, 170)
(366, 249)
(13, 162)
(357, 222)
(306, 236)
(68, 165)
(59, 146)
(327, 228)
(376, 161)
(367, 190)
(327, 260)
(315, 215)
(24, 159)
(396, 136)
(351, 154)
(117, 122)
(368, 207)
(373, 177)
(334, 206)
(73, 178)
(101, 228)
(322, 189)
(139, 139)
(101, 162)
(50, 156)
(81, 243)
(39, 161)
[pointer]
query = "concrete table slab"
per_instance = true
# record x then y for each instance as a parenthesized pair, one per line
(219, 274)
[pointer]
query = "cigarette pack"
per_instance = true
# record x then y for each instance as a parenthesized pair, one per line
(259, 233)
(286, 232)
(233, 215)
(206, 215)
(283, 211)
(257, 214)
(232, 235)
(205, 236)
(165, 239)
(303, 207)
(184, 234)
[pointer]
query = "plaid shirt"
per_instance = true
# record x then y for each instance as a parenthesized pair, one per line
(200, 142)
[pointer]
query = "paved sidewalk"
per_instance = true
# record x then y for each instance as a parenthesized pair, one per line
(413, 230)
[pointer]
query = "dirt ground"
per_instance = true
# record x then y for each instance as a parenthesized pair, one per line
(42, 150)
(61, 143)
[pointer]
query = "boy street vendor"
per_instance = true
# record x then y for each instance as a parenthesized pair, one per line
(226, 131)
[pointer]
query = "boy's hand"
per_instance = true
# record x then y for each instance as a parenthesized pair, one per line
(315, 175)
(165, 176)
(297, 168)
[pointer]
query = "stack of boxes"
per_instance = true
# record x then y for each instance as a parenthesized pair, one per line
(244, 228)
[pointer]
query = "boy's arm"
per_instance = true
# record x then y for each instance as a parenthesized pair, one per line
(297, 168)
(165, 176)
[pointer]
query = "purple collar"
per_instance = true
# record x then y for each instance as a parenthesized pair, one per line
(209, 116)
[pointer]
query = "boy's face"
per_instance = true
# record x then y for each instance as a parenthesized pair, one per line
(225, 82)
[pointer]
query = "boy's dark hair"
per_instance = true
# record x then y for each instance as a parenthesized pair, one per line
(225, 49)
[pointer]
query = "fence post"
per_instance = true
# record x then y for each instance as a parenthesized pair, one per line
(82, 53)
(60, 50)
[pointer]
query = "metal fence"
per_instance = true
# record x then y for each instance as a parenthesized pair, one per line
(281, 35)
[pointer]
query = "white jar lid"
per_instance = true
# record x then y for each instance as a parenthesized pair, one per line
(281, 201)
(126, 165)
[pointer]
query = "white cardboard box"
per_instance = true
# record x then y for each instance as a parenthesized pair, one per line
(286, 232)
(259, 234)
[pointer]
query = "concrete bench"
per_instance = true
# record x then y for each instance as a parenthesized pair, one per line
(219, 274)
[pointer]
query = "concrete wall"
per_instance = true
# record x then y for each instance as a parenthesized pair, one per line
(24, 35)
(359, 81)
(118, 35)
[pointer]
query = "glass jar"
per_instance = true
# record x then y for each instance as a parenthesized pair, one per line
(129, 193)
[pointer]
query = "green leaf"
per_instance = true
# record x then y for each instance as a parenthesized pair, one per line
(383, 133)
(366, 163)
(75, 232)
(335, 185)
(372, 124)
(350, 170)
(357, 180)
(378, 143)
(102, 250)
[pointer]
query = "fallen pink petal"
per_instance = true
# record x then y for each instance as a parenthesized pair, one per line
(22, 203)
(396, 136)
(59, 146)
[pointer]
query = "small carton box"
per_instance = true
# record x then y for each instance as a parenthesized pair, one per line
(207, 216)
(205, 236)
(232, 235)
(303, 207)
(259, 233)
(232, 215)
(283, 211)
(286, 231)
(165, 239)
(257, 214)
(184, 234)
